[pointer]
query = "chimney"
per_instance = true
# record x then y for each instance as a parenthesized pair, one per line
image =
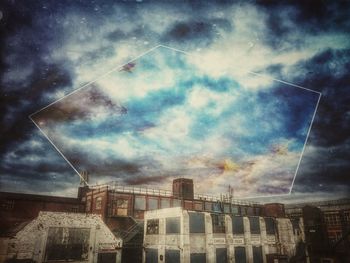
(183, 188)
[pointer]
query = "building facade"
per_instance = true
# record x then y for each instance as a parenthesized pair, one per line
(179, 235)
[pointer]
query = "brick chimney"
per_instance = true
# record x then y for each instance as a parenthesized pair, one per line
(183, 188)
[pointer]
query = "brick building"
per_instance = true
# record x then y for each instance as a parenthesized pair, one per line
(16, 208)
(327, 229)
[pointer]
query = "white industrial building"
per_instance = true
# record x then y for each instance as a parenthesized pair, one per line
(178, 235)
(55, 236)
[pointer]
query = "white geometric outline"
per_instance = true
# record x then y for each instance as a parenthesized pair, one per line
(188, 54)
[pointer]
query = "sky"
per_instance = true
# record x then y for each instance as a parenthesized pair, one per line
(191, 107)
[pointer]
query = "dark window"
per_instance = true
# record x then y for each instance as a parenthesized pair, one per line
(106, 257)
(152, 204)
(221, 255)
(237, 225)
(75, 209)
(153, 227)
(240, 256)
(151, 255)
(121, 207)
(65, 243)
(208, 206)
(250, 211)
(198, 258)
(217, 207)
(270, 225)
(7, 204)
(197, 223)
(257, 211)
(226, 208)
(172, 256)
(235, 210)
(218, 222)
(140, 203)
(173, 225)
(257, 255)
(254, 225)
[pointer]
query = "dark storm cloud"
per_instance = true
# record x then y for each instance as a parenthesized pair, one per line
(79, 106)
(329, 75)
(145, 180)
(312, 15)
(201, 32)
(323, 166)
(30, 167)
(16, 104)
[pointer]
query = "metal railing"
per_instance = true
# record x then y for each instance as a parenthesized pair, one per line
(144, 190)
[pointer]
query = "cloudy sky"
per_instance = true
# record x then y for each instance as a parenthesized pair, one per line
(200, 113)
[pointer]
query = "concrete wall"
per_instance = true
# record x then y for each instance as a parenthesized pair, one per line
(31, 241)
(283, 242)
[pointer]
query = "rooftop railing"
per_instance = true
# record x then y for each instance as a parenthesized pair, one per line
(144, 190)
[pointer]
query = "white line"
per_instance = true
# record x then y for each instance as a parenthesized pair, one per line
(103, 75)
(175, 49)
(284, 82)
(71, 165)
(307, 136)
(184, 52)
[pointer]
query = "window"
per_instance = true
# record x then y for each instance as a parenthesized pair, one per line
(221, 255)
(107, 257)
(197, 223)
(152, 203)
(121, 207)
(172, 256)
(218, 222)
(208, 206)
(332, 219)
(198, 258)
(257, 255)
(188, 205)
(98, 203)
(140, 203)
(7, 204)
(164, 203)
(237, 225)
(347, 216)
(75, 209)
(151, 255)
(270, 225)
(153, 227)
(65, 243)
(235, 210)
(226, 208)
(217, 207)
(88, 204)
(257, 211)
(176, 203)
(250, 211)
(198, 206)
(173, 225)
(254, 225)
(240, 256)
